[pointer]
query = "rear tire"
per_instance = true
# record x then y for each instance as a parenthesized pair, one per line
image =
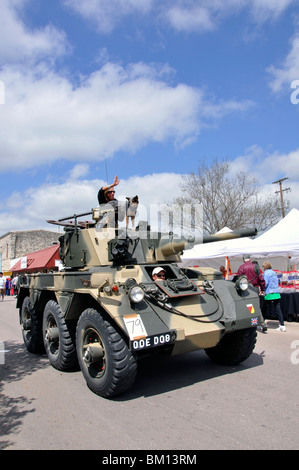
(106, 363)
(234, 347)
(31, 323)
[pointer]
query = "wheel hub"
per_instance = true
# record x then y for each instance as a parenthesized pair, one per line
(27, 324)
(93, 353)
(52, 334)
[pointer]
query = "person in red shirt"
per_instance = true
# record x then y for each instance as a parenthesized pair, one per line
(254, 275)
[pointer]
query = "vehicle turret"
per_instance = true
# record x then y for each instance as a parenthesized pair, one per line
(87, 244)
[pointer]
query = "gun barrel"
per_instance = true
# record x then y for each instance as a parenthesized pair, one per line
(175, 246)
(247, 232)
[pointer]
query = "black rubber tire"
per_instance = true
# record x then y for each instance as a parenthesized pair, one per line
(32, 335)
(234, 347)
(62, 351)
(115, 371)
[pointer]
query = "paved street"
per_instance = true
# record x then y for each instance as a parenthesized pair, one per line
(184, 402)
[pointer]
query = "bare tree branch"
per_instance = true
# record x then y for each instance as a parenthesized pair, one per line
(232, 201)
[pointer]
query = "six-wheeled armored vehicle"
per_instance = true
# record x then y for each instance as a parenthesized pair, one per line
(105, 311)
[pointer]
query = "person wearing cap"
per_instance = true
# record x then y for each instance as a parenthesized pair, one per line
(158, 274)
(256, 279)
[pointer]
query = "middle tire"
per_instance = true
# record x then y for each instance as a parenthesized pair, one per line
(59, 338)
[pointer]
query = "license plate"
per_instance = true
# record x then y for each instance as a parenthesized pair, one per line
(151, 341)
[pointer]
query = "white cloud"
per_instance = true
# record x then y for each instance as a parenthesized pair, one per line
(30, 209)
(78, 171)
(293, 196)
(77, 194)
(151, 189)
(195, 19)
(268, 9)
(19, 44)
(269, 167)
(194, 16)
(106, 14)
(182, 15)
(46, 117)
(74, 196)
(289, 71)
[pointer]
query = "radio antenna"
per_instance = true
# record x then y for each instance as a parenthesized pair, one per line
(106, 171)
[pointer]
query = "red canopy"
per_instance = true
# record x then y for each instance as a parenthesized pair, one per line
(42, 259)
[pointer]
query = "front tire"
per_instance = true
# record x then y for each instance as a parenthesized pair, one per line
(234, 347)
(107, 364)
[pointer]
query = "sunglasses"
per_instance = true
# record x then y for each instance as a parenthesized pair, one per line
(160, 275)
(108, 192)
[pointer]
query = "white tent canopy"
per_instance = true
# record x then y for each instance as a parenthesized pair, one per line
(281, 242)
(282, 239)
(213, 254)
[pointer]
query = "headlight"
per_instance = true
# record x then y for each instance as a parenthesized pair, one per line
(242, 283)
(136, 294)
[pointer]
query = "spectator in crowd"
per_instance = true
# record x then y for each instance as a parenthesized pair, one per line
(223, 270)
(2, 286)
(255, 277)
(15, 284)
(272, 295)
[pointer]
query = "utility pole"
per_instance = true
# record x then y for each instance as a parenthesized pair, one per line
(281, 193)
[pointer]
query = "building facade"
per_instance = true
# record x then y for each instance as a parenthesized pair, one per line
(14, 245)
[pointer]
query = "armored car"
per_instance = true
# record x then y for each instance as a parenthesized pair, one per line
(105, 312)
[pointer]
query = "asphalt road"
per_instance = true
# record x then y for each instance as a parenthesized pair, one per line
(178, 403)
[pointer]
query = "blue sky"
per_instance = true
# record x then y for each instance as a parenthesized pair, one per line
(143, 89)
